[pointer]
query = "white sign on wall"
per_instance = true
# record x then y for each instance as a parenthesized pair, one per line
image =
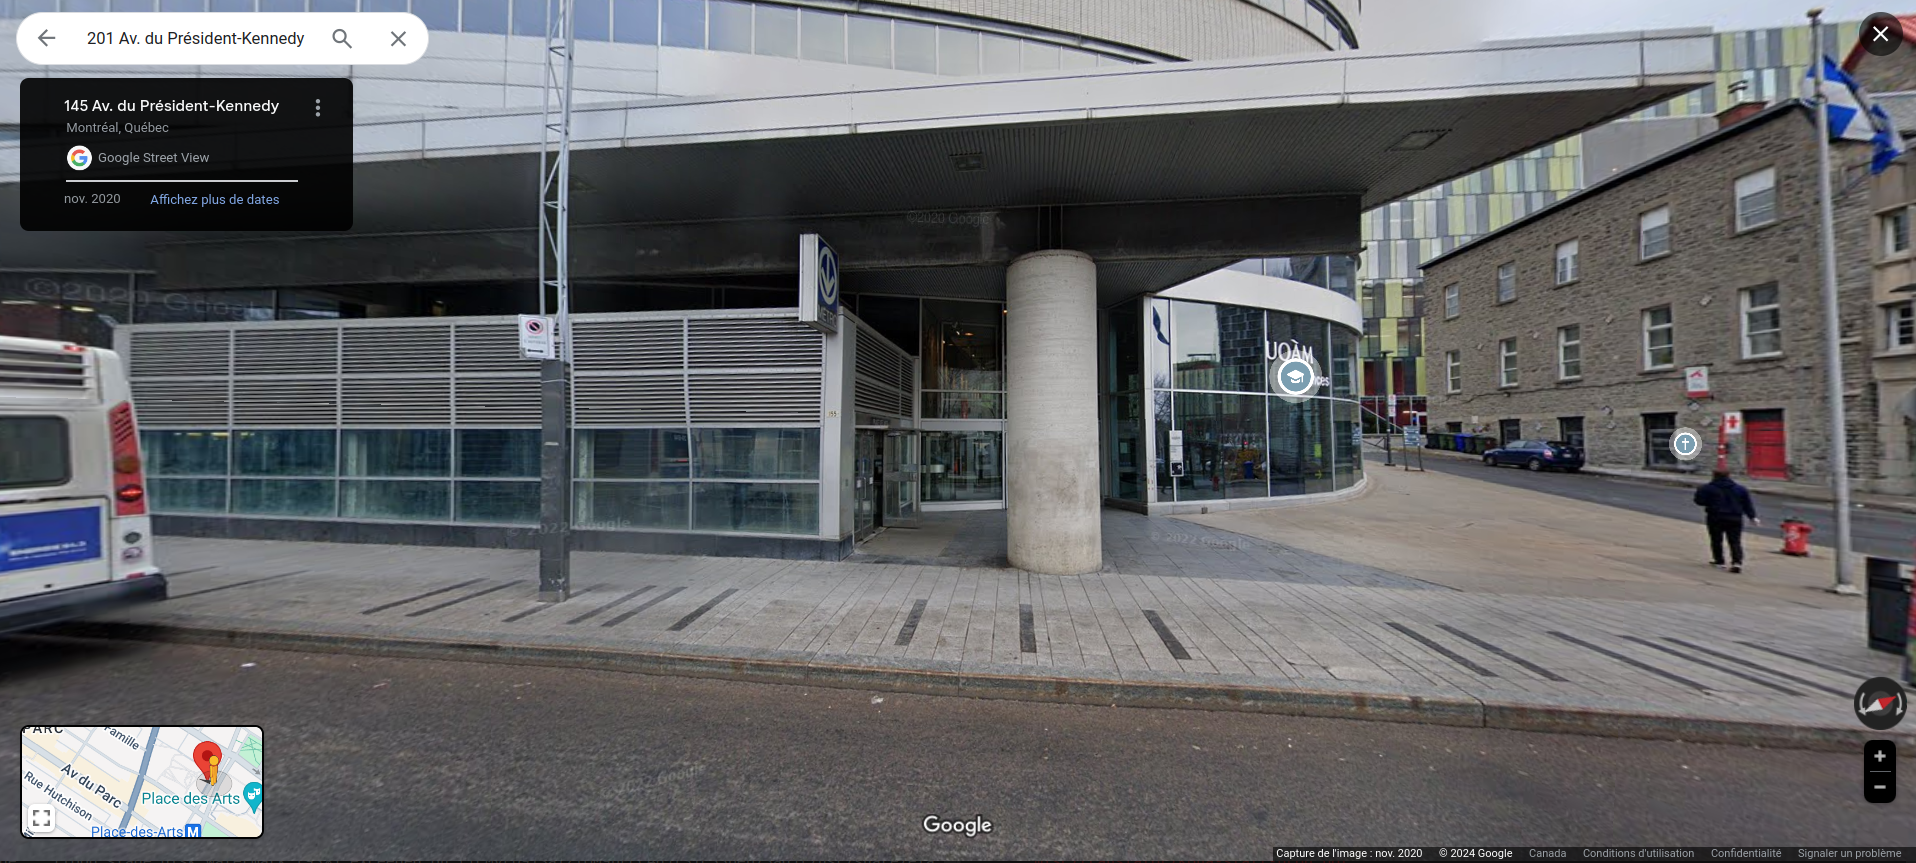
(535, 338)
(1732, 423)
(817, 283)
(1175, 458)
(1696, 382)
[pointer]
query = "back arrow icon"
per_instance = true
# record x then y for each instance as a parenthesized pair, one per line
(44, 37)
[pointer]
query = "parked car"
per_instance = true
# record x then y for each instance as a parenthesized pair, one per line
(1536, 455)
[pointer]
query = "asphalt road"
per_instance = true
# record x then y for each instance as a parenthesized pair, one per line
(382, 758)
(1878, 532)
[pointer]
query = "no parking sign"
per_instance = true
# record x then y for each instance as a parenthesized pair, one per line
(535, 338)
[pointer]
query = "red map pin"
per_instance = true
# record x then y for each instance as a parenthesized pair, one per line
(207, 756)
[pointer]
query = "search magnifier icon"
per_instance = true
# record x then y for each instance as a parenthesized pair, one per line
(339, 36)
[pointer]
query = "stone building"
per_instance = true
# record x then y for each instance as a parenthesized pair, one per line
(1892, 339)
(1586, 320)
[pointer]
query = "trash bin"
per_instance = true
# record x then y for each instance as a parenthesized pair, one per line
(1888, 605)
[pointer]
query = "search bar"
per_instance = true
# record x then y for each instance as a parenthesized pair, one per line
(222, 38)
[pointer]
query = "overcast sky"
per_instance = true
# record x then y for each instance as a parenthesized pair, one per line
(1410, 24)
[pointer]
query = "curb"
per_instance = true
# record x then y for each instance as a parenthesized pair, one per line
(1461, 712)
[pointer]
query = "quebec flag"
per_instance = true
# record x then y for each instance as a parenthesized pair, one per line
(1853, 117)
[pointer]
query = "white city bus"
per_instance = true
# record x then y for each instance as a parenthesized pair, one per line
(74, 537)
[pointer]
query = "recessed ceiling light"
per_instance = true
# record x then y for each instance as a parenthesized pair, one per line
(968, 161)
(1420, 140)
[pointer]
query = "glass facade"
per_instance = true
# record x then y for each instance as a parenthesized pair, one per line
(1205, 365)
(760, 480)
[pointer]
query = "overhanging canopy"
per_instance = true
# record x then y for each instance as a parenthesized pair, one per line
(1165, 169)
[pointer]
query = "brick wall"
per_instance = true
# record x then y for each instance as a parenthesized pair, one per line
(1701, 278)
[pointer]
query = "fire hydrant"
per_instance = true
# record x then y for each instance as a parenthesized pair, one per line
(1796, 537)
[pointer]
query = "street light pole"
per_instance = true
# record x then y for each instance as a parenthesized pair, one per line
(555, 419)
(1832, 321)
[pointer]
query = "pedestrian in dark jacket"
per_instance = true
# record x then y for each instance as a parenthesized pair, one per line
(1725, 504)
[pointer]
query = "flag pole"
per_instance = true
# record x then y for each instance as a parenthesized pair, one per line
(1832, 321)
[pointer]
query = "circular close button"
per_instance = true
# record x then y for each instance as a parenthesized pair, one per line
(1882, 34)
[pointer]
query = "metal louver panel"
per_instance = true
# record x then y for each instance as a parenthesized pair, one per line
(180, 403)
(285, 402)
(629, 344)
(398, 349)
(874, 398)
(42, 370)
(159, 354)
(496, 401)
(490, 348)
(787, 397)
(737, 342)
(286, 352)
(651, 400)
(907, 386)
(397, 401)
(883, 376)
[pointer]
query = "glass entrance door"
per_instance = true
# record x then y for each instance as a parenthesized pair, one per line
(901, 479)
(865, 485)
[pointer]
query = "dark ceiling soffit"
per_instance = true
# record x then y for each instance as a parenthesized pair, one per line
(1124, 233)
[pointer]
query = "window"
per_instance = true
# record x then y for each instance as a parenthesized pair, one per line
(33, 452)
(1653, 233)
(957, 51)
(1657, 429)
(397, 452)
(684, 22)
(821, 36)
(1756, 199)
(1762, 323)
(870, 41)
(1659, 339)
(1507, 282)
(1566, 262)
(1507, 363)
(633, 21)
(1570, 431)
(1899, 321)
(1569, 352)
(1896, 231)
(1450, 302)
(1453, 372)
(289, 452)
(755, 453)
(774, 31)
(916, 44)
(731, 26)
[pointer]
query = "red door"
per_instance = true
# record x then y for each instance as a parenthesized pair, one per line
(1767, 445)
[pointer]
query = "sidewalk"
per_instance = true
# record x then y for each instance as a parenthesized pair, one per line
(1209, 618)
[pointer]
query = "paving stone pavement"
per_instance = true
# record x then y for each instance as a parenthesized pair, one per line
(1775, 664)
(1133, 543)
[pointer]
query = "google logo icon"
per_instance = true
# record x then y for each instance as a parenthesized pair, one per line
(79, 158)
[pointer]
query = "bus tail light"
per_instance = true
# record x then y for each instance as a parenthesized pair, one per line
(128, 482)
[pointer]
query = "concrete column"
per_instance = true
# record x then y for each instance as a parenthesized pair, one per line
(1051, 404)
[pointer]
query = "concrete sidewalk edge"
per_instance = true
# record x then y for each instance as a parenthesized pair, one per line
(1376, 706)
